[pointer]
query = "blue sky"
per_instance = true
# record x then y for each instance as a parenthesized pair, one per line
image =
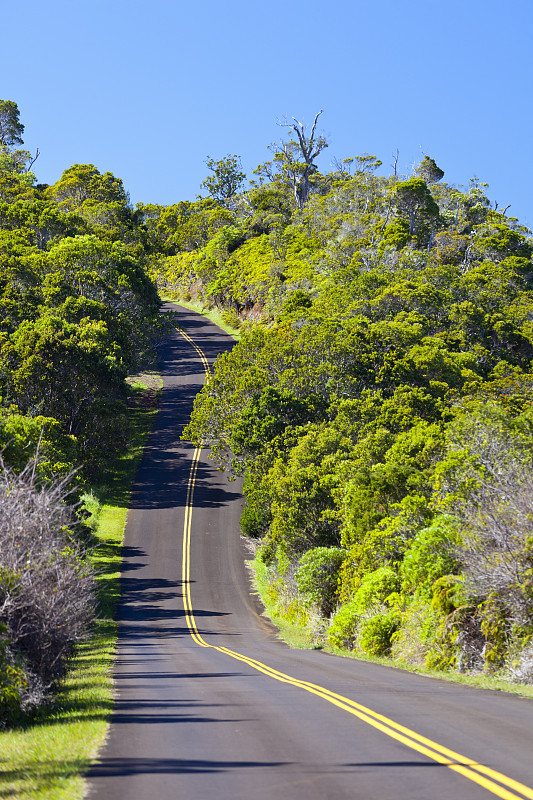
(149, 90)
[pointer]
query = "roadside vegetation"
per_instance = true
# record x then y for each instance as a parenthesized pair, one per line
(302, 627)
(378, 404)
(79, 314)
(226, 321)
(47, 749)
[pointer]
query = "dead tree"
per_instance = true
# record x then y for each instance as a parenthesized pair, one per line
(298, 157)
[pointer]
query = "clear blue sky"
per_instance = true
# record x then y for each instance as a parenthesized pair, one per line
(148, 90)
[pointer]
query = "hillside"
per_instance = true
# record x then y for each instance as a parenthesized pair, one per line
(378, 404)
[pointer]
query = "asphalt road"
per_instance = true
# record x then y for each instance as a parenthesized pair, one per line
(211, 704)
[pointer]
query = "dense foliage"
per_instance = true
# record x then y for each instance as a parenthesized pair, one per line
(379, 402)
(78, 312)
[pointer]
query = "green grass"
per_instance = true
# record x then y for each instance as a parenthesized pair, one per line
(211, 313)
(295, 634)
(45, 759)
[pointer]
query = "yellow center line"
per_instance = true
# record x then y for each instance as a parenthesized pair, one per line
(200, 352)
(465, 766)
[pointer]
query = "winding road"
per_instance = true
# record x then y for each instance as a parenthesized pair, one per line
(210, 704)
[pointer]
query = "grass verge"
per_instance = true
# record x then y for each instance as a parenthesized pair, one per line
(289, 618)
(46, 758)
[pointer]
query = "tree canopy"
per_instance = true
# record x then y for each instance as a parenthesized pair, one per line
(379, 401)
(386, 339)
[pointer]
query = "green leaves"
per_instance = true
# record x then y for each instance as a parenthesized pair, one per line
(78, 312)
(23, 438)
(413, 200)
(11, 128)
(84, 182)
(226, 180)
(318, 576)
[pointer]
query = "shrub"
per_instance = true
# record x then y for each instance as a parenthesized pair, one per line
(489, 478)
(522, 667)
(495, 629)
(231, 317)
(46, 587)
(343, 630)
(281, 593)
(13, 682)
(318, 576)
(448, 594)
(254, 519)
(375, 588)
(373, 591)
(297, 301)
(375, 633)
(414, 640)
(429, 557)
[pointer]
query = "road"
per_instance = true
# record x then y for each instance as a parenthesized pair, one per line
(211, 704)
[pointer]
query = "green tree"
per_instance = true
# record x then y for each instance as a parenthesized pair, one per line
(11, 128)
(226, 180)
(429, 171)
(413, 199)
(84, 182)
(317, 576)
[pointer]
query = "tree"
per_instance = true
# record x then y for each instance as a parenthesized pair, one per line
(429, 171)
(84, 182)
(227, 178)
(297, 157)
(11, 129)
(413, 199)
(318, 576)
(16, 179)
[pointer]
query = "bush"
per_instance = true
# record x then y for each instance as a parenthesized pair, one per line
(13, 683)
(522, 667)
(495, 629)
(429, 557)
(375, 588)
(489, 478)
(231, 317)
(318, 576)
(415, 639)
(255, 517)
(448, 594)
(282, 594)
(343, 630)
(46, 587)
(375, 634)
(371, 595)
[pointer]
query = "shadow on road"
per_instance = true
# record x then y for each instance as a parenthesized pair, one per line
(124, 766)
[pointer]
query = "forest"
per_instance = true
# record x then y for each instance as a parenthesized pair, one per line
(378, 403)
(78, 314)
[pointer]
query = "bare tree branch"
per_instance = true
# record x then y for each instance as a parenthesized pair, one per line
(33, 160)
(309, 148)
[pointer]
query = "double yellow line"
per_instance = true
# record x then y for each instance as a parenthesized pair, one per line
(495, 782)
(203, 358)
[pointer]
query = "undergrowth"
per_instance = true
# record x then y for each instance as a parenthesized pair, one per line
(46, 756)
(300, 626)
